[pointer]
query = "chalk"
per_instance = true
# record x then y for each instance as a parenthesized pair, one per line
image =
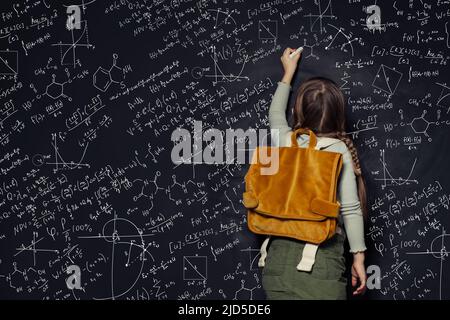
(300, 49)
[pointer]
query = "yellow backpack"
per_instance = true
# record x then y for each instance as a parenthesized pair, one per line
(298, 200)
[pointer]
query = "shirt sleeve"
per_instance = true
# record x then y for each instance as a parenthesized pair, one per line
(350, 206)
(279, 127)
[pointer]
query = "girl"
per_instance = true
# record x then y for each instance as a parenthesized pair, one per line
(319, 106)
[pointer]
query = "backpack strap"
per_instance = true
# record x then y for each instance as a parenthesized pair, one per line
(310, 249)
(324, 142)
(309, 254)
(263, 251)
(308, 257)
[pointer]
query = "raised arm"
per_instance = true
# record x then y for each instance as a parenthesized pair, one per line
(279, 127)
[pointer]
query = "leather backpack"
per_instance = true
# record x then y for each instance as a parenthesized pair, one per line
(298, 200)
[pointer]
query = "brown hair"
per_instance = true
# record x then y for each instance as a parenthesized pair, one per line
(320, 106)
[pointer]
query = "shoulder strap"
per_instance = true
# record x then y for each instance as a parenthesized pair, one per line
(263, 251)
(324, 142)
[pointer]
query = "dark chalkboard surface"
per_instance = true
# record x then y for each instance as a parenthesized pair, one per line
(90, 96)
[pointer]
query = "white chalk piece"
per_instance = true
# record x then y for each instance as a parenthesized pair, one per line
(300, 49)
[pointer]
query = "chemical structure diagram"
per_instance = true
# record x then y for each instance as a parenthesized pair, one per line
(103, 78)
(315, 44)
(13, 279)
(244, 293)
(54, 90)
(149, 188)
(311, 48)
(420, 125)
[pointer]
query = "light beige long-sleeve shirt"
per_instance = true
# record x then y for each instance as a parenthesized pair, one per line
(350, 211)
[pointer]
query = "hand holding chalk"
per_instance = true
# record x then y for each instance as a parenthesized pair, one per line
(299, 50)
(290, 59)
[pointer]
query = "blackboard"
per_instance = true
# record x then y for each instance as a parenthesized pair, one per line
(90, 96)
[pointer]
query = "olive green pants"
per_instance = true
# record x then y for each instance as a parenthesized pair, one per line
(326, 280)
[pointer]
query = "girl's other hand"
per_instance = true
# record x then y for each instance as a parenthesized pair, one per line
(359, 273)
(290, 64)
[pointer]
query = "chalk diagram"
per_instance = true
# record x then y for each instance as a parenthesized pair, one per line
(444, 97)
(389, 180)
(83, 4)
(103, 78)
(9, 63)
(195, 267)
(421, 125)
(311, 47)
(219, 75)
(223, 17)
(32, 248)
(326, 12)
(268, 30)
(447, 33)
(78, 39)
(387, 79)
(59, 162)
(341, 40)
(253, 257)
(124, 236)
(244, 293)
(54, 90)
(438, 250)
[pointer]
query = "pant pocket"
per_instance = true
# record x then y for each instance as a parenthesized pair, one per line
(328, 267)
(276, 259)
(335, 267)
(273, 269)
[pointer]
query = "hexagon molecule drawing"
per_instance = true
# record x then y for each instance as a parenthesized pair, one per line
(103, 78)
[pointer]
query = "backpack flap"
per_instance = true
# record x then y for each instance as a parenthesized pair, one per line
(299, 199)
(325, 208)
(249, 200)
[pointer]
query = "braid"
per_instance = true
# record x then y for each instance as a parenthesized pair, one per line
(341, 135)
